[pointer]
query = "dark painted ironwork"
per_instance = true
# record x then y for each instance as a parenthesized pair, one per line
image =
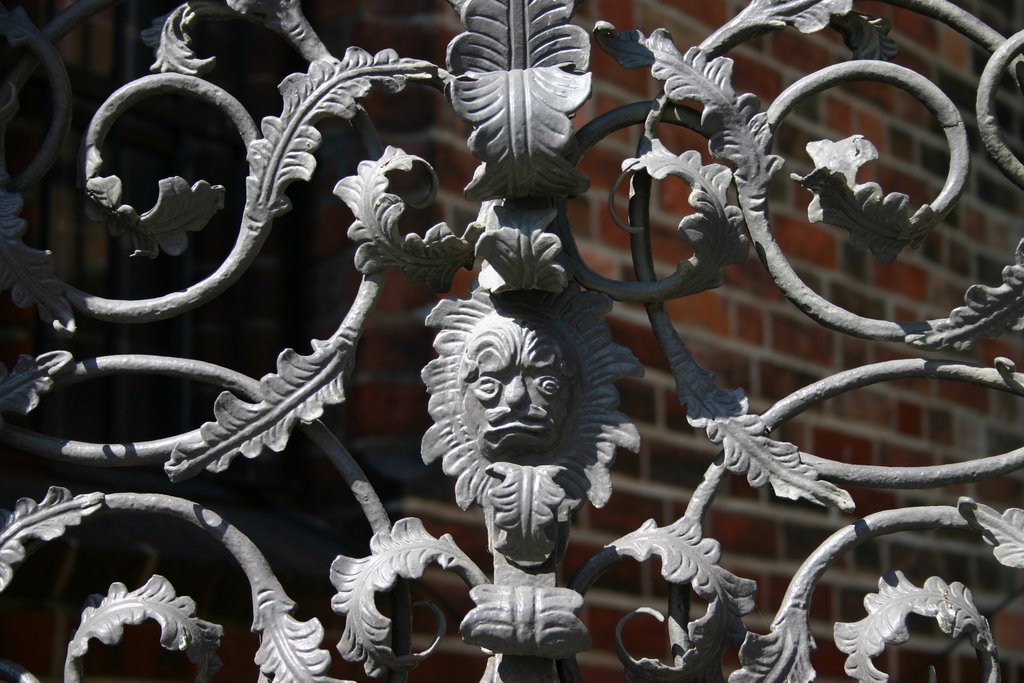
(522, 394)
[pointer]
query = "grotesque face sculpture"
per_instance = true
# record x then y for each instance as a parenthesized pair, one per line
(525, 379)
(518, 383)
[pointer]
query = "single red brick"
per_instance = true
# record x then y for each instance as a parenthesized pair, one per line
(899, 456)
(839, 116)
(869, 501)
(706, 310)
(744, 534)
(391, 409)
(779, 380)
(917, 28)
(842, 447)
(872, 127)
(969, 395)
(798, 50)
(712, 14)
(751, 276)
(751, 74)
(903, 278)
(602, 166)
(748, 323)
(805, 340)
(625, 512)
(608, 70)
(802, 240)
(909, 418)
(677, 464)
(667, 247)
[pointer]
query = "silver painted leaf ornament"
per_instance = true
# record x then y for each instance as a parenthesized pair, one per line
(297, 392)
(628, 48)
(434, 258)
(329, 88)
(876, 221)
(781, 656)
(520, 72)
(866, 36)
(988, 312)
(30, 377)
(715, 229)
(1005, 532)
(526, 621)
(688, 558)
(171, 40)
(403, 552)
(951, 604)
(28, 272)
(289, 649)
(760, 16)
(523, 393)
(170, 36)
(519, 254)
(43, 521)
(526, 504)
(738, 131)
(747, 449)
(704, 400)
(807, 16)
(179, 210)
(746, 446)
(105, 617)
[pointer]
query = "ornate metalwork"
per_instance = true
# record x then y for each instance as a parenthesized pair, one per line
(522, 394)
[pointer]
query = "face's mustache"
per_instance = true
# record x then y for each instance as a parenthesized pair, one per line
(501, 414)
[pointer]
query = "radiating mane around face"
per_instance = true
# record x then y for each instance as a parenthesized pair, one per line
(518, 385)
(525, 380)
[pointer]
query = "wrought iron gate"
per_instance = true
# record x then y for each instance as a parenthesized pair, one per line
(522, 393)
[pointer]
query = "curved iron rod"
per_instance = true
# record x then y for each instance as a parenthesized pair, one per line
(60, 122)
(887, 477)
(807, 300)
(248, 556)
(11, 672)
(797, 599)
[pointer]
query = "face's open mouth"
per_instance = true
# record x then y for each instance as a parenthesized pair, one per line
(497, 435)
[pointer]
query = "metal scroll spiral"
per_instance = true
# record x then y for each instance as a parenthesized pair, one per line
(525, 410)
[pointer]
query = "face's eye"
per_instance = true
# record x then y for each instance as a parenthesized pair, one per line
(548, 385)
(487, 388)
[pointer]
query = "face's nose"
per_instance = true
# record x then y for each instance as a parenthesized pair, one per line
(515, 392)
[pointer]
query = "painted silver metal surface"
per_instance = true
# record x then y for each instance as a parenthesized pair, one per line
(525, 412)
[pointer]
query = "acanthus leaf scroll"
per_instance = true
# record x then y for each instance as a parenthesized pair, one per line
(689, 559)
(43, 521)
(179, 210)
(433, 258)
(105, 617)
(876, 221)
(952, 605)
(403, 552)
(22, 386)
(289, 649)
(29, 273)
